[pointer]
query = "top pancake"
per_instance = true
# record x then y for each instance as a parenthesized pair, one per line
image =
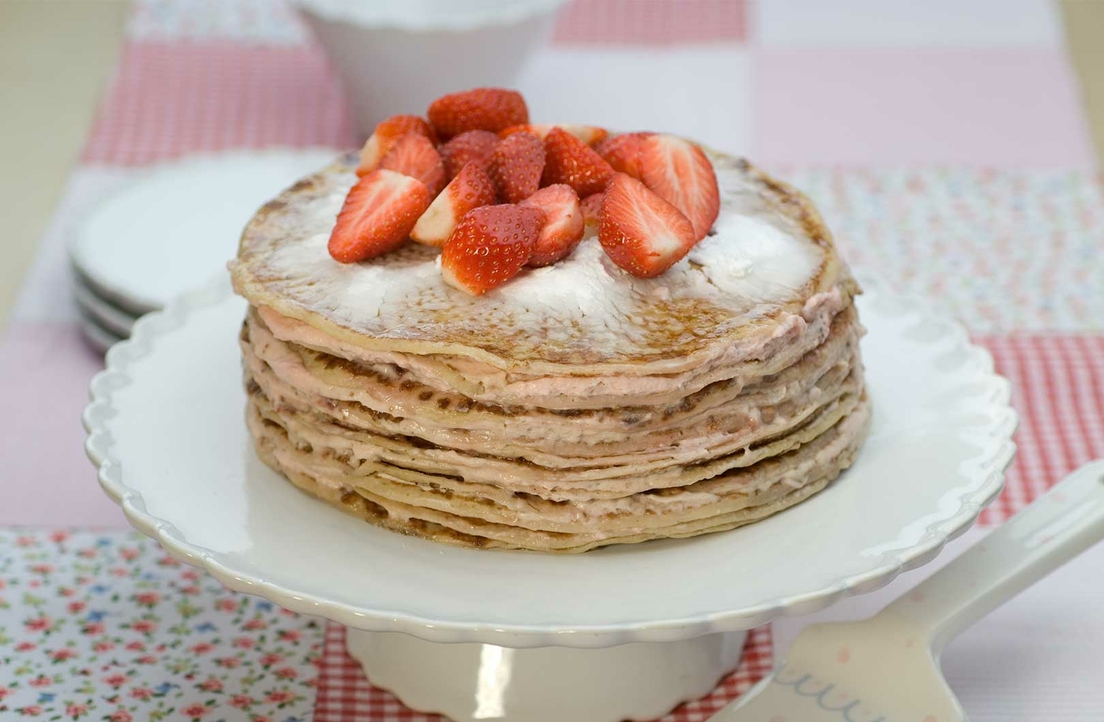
(768, 264)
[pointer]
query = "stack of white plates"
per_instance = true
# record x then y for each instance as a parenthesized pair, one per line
(171, 229)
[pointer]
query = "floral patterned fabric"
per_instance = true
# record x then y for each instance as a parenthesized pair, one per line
(1007, 251)
(108, 627)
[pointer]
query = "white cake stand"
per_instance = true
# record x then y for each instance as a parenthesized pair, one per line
(621, 633)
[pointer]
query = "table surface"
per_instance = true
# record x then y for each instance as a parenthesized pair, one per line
(949, 152)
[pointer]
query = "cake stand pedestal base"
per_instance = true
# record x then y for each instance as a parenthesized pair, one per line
(469, 682)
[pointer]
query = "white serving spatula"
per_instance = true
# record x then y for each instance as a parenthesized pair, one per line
(886, 668)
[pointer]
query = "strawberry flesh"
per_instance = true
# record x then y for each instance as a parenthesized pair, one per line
(589, 134)
(516, 165)
(489, 109)
(640, 232)
(385, 135)
(415, 156)
(471, 188)
(571, 161)
(378, 215)
(591, 207)
(563, 228)
(680, 173)
(489, 246)
(538, 129)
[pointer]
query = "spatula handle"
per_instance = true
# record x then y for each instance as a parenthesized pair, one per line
(1059, 525)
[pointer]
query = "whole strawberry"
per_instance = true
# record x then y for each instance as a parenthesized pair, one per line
(516, 165)
(471, 145)
(490, 246)
(480, 109)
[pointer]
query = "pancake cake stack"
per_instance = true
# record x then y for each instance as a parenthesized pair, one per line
(638, 340)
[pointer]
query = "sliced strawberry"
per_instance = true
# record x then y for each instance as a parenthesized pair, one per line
(516, 165)
(622, 152)
(641, 232)
(385, 135)
(468, 146)
(471, 188)
(538, 129)
(378, 214)
(480, 109)
(591, 208)
(489, 246)
(681, 174)
(563, 227)
(571, 161)
(589, 134)
(415, 156)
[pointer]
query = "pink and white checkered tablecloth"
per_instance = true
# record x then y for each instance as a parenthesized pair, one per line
(950, 157)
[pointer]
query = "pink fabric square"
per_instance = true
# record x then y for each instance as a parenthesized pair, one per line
(652, 22)
(1009, 107)
(47, 479)
(168, 99)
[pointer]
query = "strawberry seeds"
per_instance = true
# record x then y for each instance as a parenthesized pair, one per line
(497, 193)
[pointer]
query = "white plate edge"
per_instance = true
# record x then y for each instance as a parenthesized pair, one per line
(121, 297)
(115, 376)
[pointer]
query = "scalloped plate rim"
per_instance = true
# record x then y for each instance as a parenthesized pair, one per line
(931, 542)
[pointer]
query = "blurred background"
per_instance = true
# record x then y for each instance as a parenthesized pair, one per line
(952, 146)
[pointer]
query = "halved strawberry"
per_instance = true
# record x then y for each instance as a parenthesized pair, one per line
(641, 232)
(680, 173)
(379, 212)
(591, 208)
(468, 146)
(480, 109)
(571, 161)
(516, 165)
(415, 156)
(471, 188)
(589, 134)
(489, 246)
(563, 227)
(622, 152)
(538, 129)
(385, 135)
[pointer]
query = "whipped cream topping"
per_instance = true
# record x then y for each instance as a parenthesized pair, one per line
(751, 257)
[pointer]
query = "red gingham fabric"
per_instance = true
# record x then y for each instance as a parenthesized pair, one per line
(170, 99)
(344, 695)
(1058, 390)
(652, 22)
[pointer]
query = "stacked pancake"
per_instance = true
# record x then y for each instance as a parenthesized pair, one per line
(575, 406)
